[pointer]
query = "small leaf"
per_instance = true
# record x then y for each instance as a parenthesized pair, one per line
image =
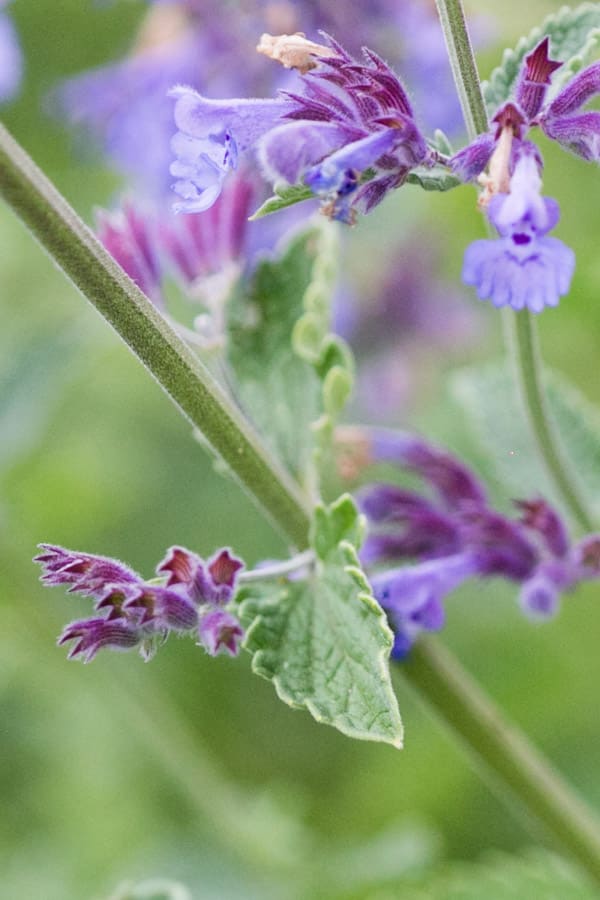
(572, 33)
(285, 195)
(489, 397)
(279, 390)
(325, 642)
(436, 178)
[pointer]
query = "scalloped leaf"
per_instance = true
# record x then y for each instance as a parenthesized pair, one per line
(573, 36)
(493, 406)
(325, 642)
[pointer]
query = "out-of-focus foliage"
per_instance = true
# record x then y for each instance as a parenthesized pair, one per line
(190, 769)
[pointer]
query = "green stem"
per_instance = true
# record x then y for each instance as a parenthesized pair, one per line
(522, 344)
(522, 338)
(506, 754)
(464, 67)
(176, 368)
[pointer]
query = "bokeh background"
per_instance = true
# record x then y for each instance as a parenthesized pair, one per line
(189, 768)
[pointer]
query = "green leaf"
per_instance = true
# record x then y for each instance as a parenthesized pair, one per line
(324, 642)
(573, 37)
(489, 397)
(285, 195)
(279, 391)
(436, 178)
(539, 876)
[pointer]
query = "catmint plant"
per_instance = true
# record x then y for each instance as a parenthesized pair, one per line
(315, 134)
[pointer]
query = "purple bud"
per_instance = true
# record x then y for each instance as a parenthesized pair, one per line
(451, 479)
(126, 236)
(211, 582)
(498, 545)
(539, 597)
(85, 573)
(470, 162)
(94, 634)
(581, 88)
(587, 556)
(541, 517)
(163, 609)
(220, 631)
(579, 134)
(534, 78)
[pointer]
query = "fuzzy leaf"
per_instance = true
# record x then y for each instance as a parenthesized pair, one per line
(573, 36)
(285, 195)
(280, 391)
(490, 400)
(324, 642)
(435, 179)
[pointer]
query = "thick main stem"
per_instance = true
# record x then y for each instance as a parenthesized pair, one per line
(506, 757)
(86, 263)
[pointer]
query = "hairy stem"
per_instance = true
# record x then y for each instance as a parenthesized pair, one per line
(464, 67)
(522, 339)
(505, 755)
(176, 368)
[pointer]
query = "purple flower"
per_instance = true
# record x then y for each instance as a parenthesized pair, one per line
(578, 132)
(349, 135)
(212, 582)
(453, 535)
(11, 60)
(412, 596)
(92, 635)
(220, 631)
(134, 612)
(212, 135)
(524, 269)
(352, 135)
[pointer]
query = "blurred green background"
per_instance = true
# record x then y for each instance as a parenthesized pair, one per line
(190, 768)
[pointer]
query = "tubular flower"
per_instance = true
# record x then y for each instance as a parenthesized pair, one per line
(525, 268)
(132, 612)
(448, 534)
(349, 135)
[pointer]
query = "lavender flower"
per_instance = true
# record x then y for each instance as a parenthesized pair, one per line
(133, 612)
(350, 135)
(11, 61)
(525, 268)
(450, 534)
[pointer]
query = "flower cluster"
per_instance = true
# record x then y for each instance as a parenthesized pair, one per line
(349, 134)
(189, 596)
(525, 268)
(451, 534)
